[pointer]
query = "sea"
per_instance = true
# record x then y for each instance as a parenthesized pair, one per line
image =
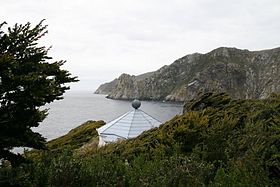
(78, 107)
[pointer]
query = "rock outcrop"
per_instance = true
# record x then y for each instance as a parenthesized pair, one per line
(109, 87)
(240, 73)
(106, 88)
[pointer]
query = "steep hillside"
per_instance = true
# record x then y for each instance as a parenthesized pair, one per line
(218, 141)
(107, 88)
(77, 139)
(235, 141)
(240, 73)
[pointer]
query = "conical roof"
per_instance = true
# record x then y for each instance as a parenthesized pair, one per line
(129, 125)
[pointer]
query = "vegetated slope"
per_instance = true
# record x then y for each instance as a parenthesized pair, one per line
(76, 137)
(240, 73)
(218, 141)
(74, 140)
(235, 141)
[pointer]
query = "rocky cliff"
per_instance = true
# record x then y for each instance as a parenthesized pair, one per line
(240, 73)
(106, 88)
(109, 87)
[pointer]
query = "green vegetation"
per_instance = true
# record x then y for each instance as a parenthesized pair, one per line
(76, 137)
(218, 141)
(81, 139)
(27, 81)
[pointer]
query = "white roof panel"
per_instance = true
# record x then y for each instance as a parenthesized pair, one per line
(129, 125)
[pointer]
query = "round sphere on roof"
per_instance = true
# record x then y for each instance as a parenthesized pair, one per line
(136, 103)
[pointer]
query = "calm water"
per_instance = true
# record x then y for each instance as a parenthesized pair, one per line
(79, 107)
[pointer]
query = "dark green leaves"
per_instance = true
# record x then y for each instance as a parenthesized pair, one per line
(28, 81)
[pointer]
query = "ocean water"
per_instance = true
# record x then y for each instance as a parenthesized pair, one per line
(79, 107)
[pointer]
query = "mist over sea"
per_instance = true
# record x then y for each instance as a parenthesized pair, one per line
(79, 107)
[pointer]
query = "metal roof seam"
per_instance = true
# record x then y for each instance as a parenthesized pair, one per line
(113, 135)
(131, 123)
(121, 117)
(151, 116)
(151, 124)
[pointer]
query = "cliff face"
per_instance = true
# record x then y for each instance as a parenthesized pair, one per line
(106, 88)
(117, 84)
(240, 73)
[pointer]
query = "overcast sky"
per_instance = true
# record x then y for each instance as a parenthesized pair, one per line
(100, 39)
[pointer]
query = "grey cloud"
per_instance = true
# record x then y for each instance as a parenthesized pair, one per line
(102, 38)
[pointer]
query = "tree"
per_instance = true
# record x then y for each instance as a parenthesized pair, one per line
(27, 81)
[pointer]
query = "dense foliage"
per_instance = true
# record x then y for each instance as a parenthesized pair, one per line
(218, 141)
(80, 139)
(76, 137)
(27, 81)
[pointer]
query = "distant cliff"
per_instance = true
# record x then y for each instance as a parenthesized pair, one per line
(107, 88)
(240, 73)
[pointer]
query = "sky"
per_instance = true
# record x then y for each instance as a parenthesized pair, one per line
(101, 39)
